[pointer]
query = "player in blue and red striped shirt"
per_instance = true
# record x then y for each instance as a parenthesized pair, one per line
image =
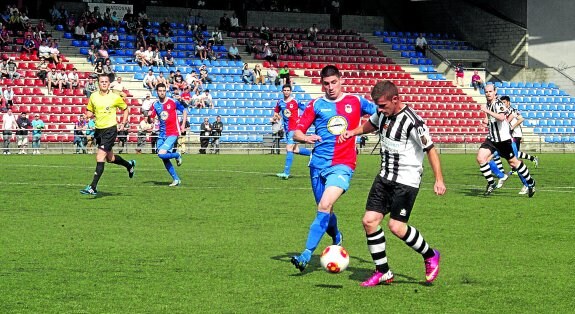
(332, 163)
(288, 109)
(167, 111)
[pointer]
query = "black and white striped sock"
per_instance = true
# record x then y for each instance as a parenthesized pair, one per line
(415, 240)
(486, 172)
(524, 172)
(376, 246)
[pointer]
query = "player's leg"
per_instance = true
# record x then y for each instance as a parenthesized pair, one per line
(523, 171)
(301, 150)
(376, 208)
(101, 155)
(483, 155)
(290, 145)
(165, 146)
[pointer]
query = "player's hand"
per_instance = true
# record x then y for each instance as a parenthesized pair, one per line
(484, 108)
(312, 139)
(183, 126)
(439, 188)
(344, 136)
(120, 127)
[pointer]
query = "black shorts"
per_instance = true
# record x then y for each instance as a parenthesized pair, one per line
(504, 148)
(105, 138)
(391, 197)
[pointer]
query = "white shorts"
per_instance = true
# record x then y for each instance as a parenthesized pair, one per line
(22, 140)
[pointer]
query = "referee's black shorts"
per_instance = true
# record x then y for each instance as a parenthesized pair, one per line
(505, 149)
(105, 138)
(391, 197)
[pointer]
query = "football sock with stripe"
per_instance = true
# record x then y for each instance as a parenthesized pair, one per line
(376, 246)
(415, 240)
(486, 172)
(316, 230)
(495, 169)
(97, 174)
(524, 172)
(522, 155)
(332, 230)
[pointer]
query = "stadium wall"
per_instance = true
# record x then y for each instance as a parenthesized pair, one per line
(287, 19)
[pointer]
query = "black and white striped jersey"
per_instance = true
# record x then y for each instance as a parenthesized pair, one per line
(404, 138)
(517, 132)
(499, 131)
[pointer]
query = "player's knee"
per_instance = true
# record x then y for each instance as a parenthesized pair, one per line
(397, 227)
(325, 206)
(369, 223)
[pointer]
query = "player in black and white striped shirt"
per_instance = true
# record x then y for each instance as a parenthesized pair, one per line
(499, 139)
(404, 138)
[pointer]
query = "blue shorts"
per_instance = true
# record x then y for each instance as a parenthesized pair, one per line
(289, 138)
(166, 143)
(338, 175)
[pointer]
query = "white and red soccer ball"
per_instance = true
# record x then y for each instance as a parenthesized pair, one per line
(334, 259)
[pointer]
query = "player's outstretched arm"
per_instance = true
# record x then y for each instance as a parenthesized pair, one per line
(439, 187)
(366, 127)
(125, 114)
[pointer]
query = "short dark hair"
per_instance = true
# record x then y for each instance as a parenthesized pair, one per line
(505, 98)
(384, 88)
(286, 86)
(329, 70)
(160, 85)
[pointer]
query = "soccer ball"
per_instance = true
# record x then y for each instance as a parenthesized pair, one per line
(334, 259)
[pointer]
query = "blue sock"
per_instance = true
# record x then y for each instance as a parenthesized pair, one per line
(170, 169)
(304, 151)
(316, 230)
(168, 156)
(289, 161)
(495, 170)
(522, 178)
(332, 230)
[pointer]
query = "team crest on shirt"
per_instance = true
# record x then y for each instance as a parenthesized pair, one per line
(164, 115)
(348, 109)
(337, 125)
(287, 113)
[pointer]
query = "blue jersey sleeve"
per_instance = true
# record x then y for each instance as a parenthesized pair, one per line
(180, 106)
(367, 107)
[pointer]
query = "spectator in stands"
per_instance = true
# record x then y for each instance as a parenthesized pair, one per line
(157, 59)
(147, 103)
(210, 53)
(421, 44)
(217, 37)
(459, 75)
(272, 76)
(265, 32)
(4, 36)
(283, 46)
(284, 75)
(62, 80)
(118, 87)
(123, 137)
(90, 87)
(234, 23)
(42, 70)
(105, 40)
(299, 48)
(204, 75)
(92, 54)
(169, 60)
(29, 45)
(197, 100)
(37, 127)
(198, 35)
(96, 38)
(312, 33)
(194, 82)
(114, 40)
(291, 50)
(201, 51)
(12, 69)
(115, 19)
(108, 67)
(4, 68)
(149, 81)
(268, 53)
(151, 41)
(44, 51)
(178, 74)
(144, 129)
(248, 76)
(55, 53)
(99, 68)
(161, 79)
(8, 126)
(141, 39)
(207, 98)
(179, 84)
(233, 52)
(476, 81)
(52, 80)
(217, 128)
(260, 78)
(200, 22)
(165, 27)
(149, 56)
(225, 23)
(41, 29)
(205, 132)
(139, 57)
(22, 134)
(74, 79)
(80, 135)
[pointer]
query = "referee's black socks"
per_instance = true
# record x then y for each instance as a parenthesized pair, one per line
(97, 174)
(118, 160)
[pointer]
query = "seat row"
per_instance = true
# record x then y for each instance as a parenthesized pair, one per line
(564, 139)
(543, 109)
(380, 33)
(546, 101)
(319, 44)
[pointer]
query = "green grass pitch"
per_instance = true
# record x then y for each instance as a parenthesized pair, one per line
(221, 242)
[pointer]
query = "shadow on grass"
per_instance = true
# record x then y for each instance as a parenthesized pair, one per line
(100, 195)
(164, 183)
